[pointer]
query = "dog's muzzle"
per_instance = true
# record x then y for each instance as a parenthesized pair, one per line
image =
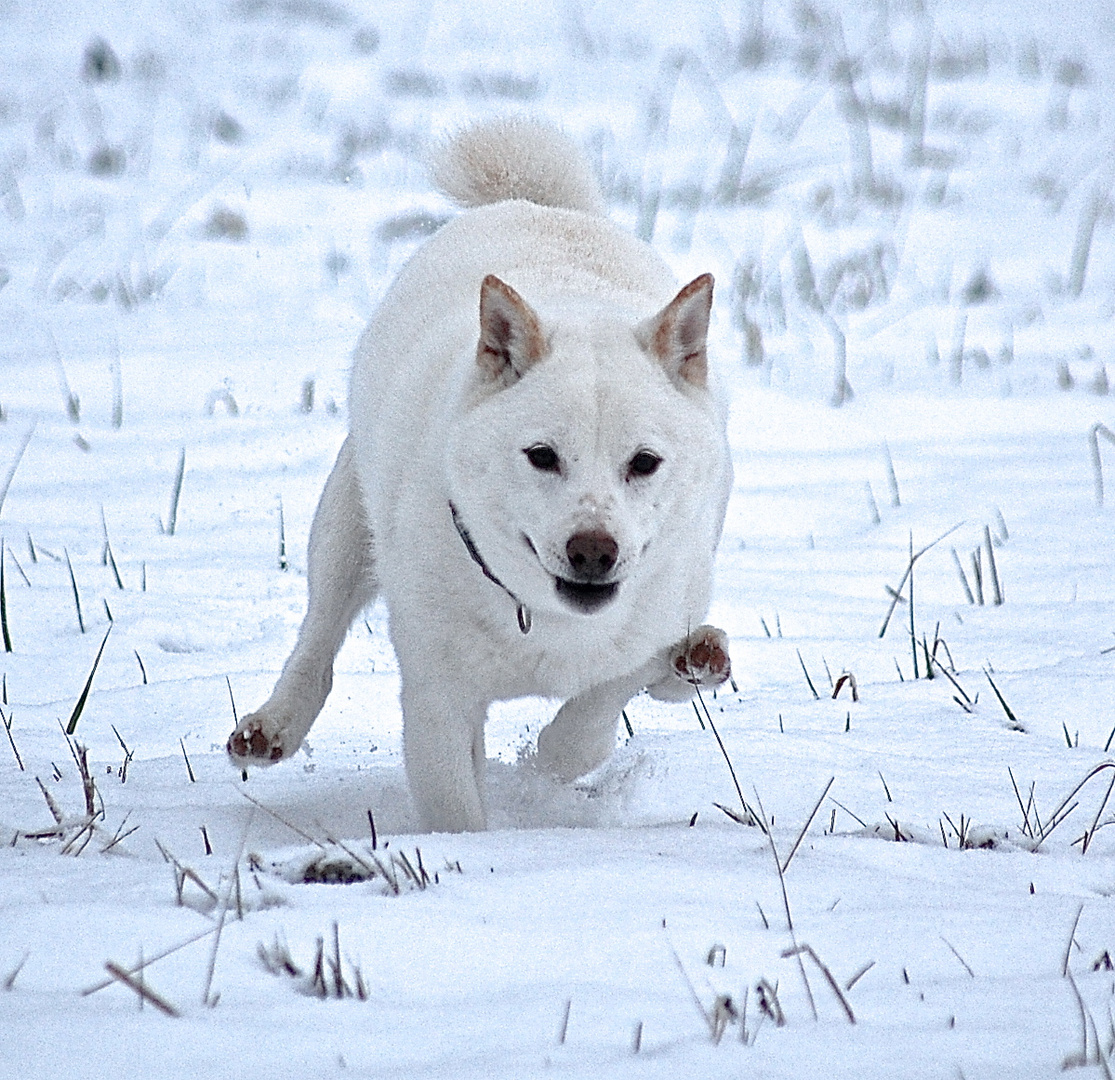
(592, 556)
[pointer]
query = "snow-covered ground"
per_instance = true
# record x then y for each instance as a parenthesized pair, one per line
(199, 206)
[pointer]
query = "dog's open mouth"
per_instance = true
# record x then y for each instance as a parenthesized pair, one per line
(586, 597)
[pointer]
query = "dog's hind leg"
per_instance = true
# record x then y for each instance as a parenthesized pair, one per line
(341, 582)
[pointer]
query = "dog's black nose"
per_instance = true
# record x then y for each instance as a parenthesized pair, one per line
(591, 555)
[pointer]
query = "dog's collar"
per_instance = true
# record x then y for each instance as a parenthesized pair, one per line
(522, 612)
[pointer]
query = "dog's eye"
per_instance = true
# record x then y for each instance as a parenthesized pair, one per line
(644, 463)
(544, 458)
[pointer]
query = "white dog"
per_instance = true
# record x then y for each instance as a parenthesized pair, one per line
(534, 480)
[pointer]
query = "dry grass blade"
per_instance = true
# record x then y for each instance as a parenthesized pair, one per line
(7, 721)
(807, 950)
(4, 603)
(1097, 463)
(52, 806)
(813, 689)
(206, 999)
(142, 989)
(723, 750)
(10, 978)
(996, 589)
(944, 671)
(786, 904)
(748, 817)
(1085, 1058)
(75, 716)
(175, 494)
(1027, 828)
(892, 479)
(150, 960)
(696, 998)
(1015, 722)
(963, 962)
(186, 759)
(1071, 941)
(77, 595)
(10, 474)
(863, 824)
(914, 556)
(283, 821)
(1096, 821)
(963, 577)
(808, 822)
(859, 975)
(1064, 809)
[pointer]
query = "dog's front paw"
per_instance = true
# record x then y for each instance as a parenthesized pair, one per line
(257, 740)
(699, 659)
(702, 658)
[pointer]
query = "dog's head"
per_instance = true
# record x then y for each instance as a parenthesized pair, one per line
(591, 447)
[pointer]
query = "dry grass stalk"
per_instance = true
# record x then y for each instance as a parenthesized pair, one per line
(859, 975)
(786, 904)
(914, 556)
(997, 592)
(723, 749)
(807, 950)
(4, 602)
(1015, 723)
(186, 759)
(10, 978)
(175, 494)
(805, 671)
(7, 721)
(142, 989)
(808, 822)
(1097, 464)
(963, 962)
(769, 1004)
(10, 474)
(146, 963)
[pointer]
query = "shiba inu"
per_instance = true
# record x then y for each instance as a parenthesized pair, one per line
(534, 480)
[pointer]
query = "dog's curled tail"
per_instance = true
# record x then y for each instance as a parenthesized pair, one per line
(515, 157)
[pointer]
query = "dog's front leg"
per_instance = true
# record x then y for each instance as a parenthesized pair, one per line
(341, 582)
(583, 733)
(443, 742)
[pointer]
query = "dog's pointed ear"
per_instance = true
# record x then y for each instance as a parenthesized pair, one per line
(676, 337)
(511, 338)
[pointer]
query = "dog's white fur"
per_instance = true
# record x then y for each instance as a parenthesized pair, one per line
(527, 322)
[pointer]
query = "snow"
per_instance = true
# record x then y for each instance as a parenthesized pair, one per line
(211, 229)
